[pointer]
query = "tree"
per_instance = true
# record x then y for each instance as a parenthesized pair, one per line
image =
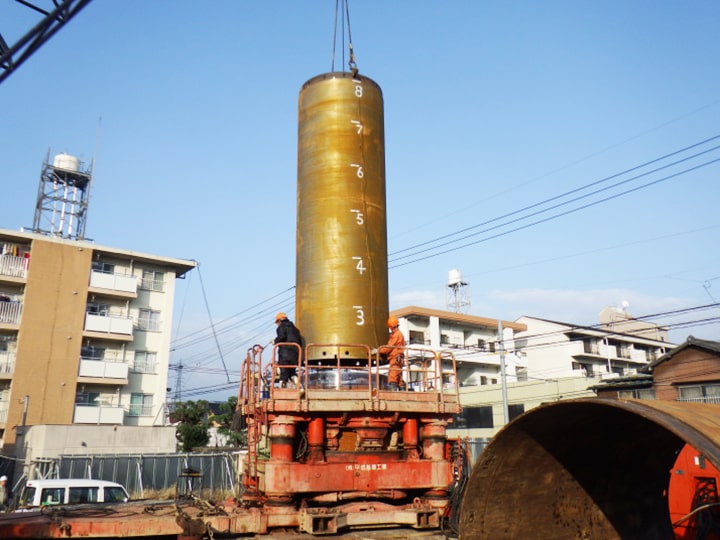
(224, 420)
(192, 430)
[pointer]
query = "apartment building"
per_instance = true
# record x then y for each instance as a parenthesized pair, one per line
(474, 342)
(543, 360)
(688, 373)
(84, 333)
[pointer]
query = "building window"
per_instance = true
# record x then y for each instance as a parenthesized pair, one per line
(623, 350)
(417, 337)
(482, 346)
(152, 281)
(444, 339)
(700, 393)
(587, 368)
(591, 346)
(87, 399)
(637, 393)
(515, 410)
(145, 362)
(492, 346)
(105, 268)
(521, 372)
(141, 405)
(476, 417)
(103, 310)
(149, 320)
(92, 353)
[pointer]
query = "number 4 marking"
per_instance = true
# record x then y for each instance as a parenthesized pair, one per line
(359, 266)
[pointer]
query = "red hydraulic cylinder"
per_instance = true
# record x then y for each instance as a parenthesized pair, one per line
(282, 437)
(410, 439)
(316, 440)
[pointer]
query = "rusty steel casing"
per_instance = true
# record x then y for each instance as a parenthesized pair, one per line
(341, 265)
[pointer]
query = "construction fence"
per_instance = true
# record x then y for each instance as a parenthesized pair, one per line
(150, 475)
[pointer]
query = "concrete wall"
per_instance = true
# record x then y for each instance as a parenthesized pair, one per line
(50, 336)
(47, 441)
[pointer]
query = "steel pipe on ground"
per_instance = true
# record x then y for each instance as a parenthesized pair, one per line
(588, 468)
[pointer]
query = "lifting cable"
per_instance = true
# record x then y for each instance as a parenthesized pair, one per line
(343, 7)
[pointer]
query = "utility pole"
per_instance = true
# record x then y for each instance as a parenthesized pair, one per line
(503, 377)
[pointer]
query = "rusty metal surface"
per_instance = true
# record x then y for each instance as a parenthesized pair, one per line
(341, 267)
(588, 468)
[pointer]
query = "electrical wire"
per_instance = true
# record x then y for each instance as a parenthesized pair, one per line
(573, 191)
(543, 220)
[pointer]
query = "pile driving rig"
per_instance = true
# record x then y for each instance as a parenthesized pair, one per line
(342, 449)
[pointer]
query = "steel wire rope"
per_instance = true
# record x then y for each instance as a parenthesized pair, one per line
(560, 196)
(344, 9)
(562, 214)
(212, 324)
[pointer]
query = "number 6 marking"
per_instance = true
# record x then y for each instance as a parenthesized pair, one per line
(359, 172)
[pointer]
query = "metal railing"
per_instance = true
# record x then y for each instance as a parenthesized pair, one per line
(10, 312)
(13, 266)
(7, 362)
(714, 400)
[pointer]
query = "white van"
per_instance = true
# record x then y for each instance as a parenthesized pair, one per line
(37, 493)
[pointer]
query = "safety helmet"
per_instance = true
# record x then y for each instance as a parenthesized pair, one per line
(393, 322)
(280, 316)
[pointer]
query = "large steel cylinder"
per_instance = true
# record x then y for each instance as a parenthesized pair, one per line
(341, 266)
(588, 468)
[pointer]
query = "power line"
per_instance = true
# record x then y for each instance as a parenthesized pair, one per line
(546, 219)
(571, 192)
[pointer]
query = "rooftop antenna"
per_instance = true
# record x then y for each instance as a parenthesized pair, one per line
(458, 293)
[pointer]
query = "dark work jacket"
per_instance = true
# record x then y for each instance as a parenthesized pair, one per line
(287, 332)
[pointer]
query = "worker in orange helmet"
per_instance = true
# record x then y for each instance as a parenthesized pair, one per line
(395, 354)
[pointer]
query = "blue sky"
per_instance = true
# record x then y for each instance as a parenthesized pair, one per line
(189, 109)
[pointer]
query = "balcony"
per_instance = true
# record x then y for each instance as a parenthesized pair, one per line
(117, 285)
(7, 364)
(90, 414)
(98, 369)
(13, 267)
(10, 312)
(3, 412)
(108, 327)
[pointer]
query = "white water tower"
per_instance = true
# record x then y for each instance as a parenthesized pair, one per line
(63, 196)
(458, 293)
